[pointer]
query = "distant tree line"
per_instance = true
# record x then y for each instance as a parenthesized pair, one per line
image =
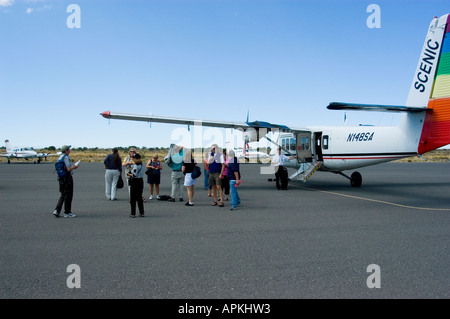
(120, 148)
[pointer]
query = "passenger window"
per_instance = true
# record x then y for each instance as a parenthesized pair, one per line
(292, 146)
(325, 142)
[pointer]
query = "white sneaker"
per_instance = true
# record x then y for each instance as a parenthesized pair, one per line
(151, 197)
(71, 215)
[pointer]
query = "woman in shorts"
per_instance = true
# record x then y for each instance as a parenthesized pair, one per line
(187, 169)
(154, 178)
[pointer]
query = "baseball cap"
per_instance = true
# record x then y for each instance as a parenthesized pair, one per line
(65, 148)
(137, 156)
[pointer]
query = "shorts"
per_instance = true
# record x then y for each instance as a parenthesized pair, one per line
(188, 180)
(154, 179)
(214, 179)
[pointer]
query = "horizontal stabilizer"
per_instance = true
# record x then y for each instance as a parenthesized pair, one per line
(374, 107)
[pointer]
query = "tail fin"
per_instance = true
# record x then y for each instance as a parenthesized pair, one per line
(431, 86)
(7, 146)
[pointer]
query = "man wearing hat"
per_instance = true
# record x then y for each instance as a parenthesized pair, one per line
(65, 185)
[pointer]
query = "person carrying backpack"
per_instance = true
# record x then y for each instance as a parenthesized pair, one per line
(65, 181)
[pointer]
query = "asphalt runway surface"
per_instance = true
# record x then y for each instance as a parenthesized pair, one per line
(315, 240)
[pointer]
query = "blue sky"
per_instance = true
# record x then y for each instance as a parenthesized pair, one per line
(283, 61)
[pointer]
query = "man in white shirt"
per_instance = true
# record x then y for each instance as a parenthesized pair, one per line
(281, 174)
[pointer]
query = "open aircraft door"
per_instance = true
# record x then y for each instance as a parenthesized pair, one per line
(304, 153)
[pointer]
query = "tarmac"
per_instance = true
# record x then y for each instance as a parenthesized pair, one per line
(321, 239)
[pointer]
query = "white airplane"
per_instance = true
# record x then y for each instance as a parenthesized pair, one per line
(23, 152)
(250, 155)
(425, 123)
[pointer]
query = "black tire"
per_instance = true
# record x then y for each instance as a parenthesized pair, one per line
(356, 179)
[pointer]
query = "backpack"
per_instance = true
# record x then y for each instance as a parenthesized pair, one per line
(60, 167)
(168, 158)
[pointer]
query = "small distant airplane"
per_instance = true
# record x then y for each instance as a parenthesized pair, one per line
(425, 125)
(250, 155)
(24, 152)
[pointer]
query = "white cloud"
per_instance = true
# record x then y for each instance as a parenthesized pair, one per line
(5, 3)
(39, 9)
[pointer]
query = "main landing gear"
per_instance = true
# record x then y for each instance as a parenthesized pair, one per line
(355, 178)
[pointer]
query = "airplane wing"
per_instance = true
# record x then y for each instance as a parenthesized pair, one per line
(373, 107)
(41, 155)
(14, 155)
(188, 121)
(171, 120)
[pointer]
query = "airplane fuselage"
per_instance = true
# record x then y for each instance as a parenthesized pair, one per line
(344, 148)
(22, 153)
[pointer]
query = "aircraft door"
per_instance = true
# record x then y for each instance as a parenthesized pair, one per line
(318, 146)
(304, 153)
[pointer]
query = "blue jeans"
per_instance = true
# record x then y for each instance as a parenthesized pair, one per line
(205, 178)
(235, 200)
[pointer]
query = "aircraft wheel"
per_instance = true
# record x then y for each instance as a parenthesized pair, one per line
(356, 179)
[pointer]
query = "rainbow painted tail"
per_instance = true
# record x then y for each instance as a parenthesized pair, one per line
(431, 86)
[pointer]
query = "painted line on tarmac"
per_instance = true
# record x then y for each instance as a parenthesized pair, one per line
(373, 200)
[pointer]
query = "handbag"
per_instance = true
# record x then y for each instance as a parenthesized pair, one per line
(149, 171)
(120, 182)
(196, 173)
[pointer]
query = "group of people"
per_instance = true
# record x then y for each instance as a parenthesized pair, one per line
(222, 171)
(224, 175)
(134, 172)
